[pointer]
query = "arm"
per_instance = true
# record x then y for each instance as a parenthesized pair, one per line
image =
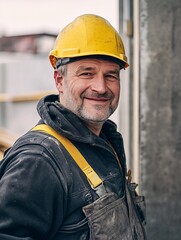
(32, 196)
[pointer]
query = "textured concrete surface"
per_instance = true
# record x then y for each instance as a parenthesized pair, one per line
(160, 116)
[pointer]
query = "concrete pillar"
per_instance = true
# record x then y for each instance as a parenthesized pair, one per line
(160, 116)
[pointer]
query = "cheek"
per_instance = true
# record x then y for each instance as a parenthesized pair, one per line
(116, 90)
(77, 87)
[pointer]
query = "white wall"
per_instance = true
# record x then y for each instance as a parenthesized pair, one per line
(23, 78)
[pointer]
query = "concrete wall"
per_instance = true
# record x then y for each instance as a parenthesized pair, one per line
(160, 116)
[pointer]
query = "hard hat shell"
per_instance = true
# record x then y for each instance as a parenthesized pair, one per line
(89, 35)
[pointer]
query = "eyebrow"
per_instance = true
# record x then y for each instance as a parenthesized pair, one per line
(84, 68)
(114, 72)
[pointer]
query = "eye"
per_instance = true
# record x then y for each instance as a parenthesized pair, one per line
(86, 74)
(112, 77)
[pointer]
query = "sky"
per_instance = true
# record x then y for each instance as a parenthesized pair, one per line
(34, 16)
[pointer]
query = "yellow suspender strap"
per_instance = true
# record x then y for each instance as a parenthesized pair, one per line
(92, 176)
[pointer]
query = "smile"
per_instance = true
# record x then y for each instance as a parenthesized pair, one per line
(98, 100)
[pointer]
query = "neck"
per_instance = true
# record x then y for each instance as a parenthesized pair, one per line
(95, 127)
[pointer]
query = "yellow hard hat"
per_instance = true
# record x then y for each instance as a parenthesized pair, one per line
(88, 35)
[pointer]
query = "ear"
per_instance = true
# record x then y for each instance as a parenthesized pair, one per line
(58, 81)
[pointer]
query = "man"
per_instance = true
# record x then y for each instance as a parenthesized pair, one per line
(44, 193)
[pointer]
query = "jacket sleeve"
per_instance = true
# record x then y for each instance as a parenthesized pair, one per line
(32, 199)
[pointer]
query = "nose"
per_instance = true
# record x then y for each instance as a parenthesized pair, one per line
(99, 84)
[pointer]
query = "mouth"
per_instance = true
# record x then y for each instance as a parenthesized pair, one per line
(97, 100)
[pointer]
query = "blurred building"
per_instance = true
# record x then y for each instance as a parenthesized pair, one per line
(30, 43)
(25, 77)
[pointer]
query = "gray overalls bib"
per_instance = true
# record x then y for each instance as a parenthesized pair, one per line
(114, 218)
(109, 217)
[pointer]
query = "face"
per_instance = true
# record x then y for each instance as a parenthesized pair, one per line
(90, 88)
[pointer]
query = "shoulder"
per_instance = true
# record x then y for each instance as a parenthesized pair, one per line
(36, 150)
(31, 179)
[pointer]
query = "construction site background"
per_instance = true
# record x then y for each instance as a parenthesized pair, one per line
(149, 114)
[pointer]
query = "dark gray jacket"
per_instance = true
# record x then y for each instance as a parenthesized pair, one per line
(42, 190)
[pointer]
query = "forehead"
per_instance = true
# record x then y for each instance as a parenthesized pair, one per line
(94, 63)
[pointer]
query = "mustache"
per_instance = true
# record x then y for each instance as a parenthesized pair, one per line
(107, 95)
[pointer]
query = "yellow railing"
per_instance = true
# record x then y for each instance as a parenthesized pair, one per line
(24, 97)
(6, 140)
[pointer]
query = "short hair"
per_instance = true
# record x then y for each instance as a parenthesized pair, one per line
(62, 69)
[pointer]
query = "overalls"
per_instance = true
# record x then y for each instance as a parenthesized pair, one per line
(109, 217)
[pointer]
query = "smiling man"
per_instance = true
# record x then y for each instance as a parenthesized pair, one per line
(65, 179)
(90, 88)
